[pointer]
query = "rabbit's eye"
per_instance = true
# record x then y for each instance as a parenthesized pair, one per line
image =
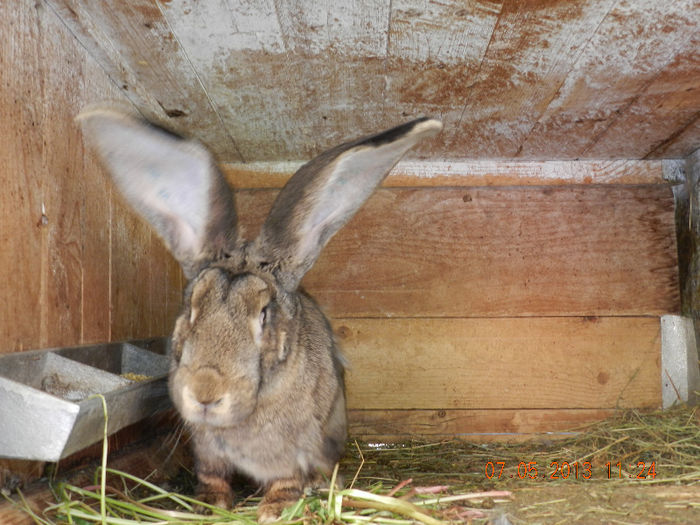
(264, 316)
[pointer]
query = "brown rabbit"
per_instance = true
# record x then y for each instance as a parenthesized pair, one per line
(255, 373)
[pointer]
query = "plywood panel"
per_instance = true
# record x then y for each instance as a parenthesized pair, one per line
(473, 425)
(485, 252)
(541, 363)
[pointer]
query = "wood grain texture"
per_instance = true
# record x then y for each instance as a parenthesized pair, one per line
(681, 141)
(64, 195)
(135, 46)
(63, 260)
(282, 80)
(96, 252)
(540, 363)
(472, 425)
(435, 51)
(616, 68)
(146, 282)
(495, 252)
(530, 54)
(20, 200)
(656, 118)
(477, 173)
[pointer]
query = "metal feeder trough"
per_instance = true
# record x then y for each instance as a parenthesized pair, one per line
(48, 407)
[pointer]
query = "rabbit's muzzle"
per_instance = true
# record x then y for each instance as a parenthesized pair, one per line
(205, 398)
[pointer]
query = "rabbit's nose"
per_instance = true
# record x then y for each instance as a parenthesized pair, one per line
(205, 390)
(209, 400)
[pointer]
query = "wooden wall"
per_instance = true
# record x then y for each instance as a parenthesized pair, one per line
(497, 311)
(75, 265)
(467, 302)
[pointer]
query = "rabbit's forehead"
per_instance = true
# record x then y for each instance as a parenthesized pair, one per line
(251, 290)
(218, 285)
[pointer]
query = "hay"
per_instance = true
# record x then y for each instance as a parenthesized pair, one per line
(446, 482)
(670, 440)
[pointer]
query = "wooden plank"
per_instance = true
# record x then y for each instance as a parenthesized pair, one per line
(136, 47)
(434, 47)
(513, 363)
(284, 79)
(242, 49)
(21, 233)
(77, 285)
(472, 425)
(255, 175)
(230, 44)
(64, 193)
(616, 68)
(130, 273)
(96, 276)
(530, 54)
(451, 32)
(165, 290)
(494, 252)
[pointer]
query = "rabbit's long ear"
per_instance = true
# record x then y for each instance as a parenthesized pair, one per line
(173, 183)
(325, 193)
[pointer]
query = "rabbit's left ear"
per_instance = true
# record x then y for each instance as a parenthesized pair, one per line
(324, 195)
(172, 183)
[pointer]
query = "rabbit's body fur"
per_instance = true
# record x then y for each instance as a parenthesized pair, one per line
(256, 373)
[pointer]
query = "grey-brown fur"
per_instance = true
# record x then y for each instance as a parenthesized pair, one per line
(256, 373)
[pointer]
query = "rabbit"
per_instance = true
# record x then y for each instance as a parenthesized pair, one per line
(255, 371)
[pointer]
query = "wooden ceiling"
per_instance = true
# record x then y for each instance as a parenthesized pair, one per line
(280, 80)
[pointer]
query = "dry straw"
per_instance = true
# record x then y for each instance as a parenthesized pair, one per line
(418, 482)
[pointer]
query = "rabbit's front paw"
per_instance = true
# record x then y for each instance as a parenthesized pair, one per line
(279, 495)
(214, 490)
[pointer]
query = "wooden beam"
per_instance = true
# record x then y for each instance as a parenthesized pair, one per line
(539, 363)
(472, 425)
(256, 175)
(687, 196)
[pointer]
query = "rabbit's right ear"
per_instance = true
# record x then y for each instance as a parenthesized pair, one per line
(173, 183)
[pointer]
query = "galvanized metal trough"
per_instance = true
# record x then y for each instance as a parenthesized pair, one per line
(48, 403)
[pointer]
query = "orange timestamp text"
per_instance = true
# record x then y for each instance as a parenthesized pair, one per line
(568, 470)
